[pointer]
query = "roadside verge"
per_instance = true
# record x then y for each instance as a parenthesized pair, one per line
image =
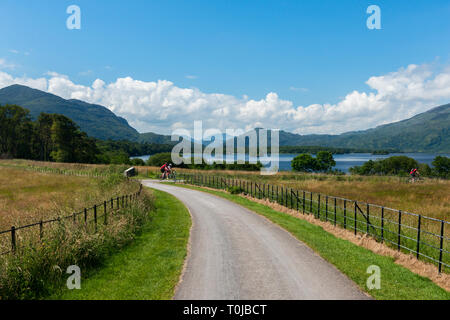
(397, 282)
(150, 267)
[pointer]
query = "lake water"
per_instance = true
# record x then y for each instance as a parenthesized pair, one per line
(345, 161)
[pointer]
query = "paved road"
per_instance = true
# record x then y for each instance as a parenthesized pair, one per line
(238, 254)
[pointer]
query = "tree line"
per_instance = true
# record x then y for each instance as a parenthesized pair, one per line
(159, 159)
(395, 165)
(54, 137)
(402, 165)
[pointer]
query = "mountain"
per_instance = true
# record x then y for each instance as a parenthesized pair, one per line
(151, 137)
(425, 132)
(97, 121)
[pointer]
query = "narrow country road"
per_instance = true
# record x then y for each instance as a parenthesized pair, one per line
(238, 254)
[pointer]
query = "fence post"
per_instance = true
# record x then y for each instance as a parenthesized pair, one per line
(105, 212)
(418, 236)
(356, 216)
(326, 208)
(95, 217)
(296, 193)
(335, 211)
(310, 203)
(368, 219)
(399, 228)
(286, 198)
(304, 197)
(41, 229)
(85, 216)
(345, 214)
(382, 224)
(318, 206)
(13, 239)
(441, 246)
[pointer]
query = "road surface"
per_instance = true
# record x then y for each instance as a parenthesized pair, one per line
(238, 254)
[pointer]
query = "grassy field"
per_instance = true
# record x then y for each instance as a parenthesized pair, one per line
(150, 267)
(397, 282)
(41, 254)
(28, 196)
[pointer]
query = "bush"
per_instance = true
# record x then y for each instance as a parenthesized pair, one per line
(235, 190)
(305, 162)
(159, 159)
(137, 162)
(396, 165)
(442, 166)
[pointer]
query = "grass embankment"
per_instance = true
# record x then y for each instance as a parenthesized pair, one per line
(397, 282)
(150, 267)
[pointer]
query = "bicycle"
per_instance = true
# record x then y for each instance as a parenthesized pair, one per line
(173, 175)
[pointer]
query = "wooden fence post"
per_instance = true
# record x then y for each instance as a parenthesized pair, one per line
(13, 239)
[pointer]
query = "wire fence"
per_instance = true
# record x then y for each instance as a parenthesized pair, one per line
(425, 237)
(90, 217)
(61, 171)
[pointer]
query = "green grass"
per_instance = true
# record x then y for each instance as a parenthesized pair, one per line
(397, 282)
(150, 267)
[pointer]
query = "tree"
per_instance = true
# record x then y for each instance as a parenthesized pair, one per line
(159, 159)
(325, 161)
(305, 163)
(15, 128)
(396, 165)
(441, 166)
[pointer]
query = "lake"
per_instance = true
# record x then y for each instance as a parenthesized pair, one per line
(345, 161)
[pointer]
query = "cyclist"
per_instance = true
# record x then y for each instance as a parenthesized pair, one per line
(169, 171)
(414, 173)
(164, 171)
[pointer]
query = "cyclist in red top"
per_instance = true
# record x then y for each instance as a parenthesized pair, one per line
(164, 170)
(414, 173)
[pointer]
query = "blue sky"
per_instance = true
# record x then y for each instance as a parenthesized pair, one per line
(307, 52)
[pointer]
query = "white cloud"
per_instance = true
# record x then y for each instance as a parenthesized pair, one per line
(161, 106)
(6, 65)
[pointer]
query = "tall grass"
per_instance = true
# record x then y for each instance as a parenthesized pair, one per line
(39, 267)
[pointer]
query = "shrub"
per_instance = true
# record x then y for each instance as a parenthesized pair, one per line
(235, 190)
(442, 166)
(323, 162)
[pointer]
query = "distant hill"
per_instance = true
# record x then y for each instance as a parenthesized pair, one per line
(151, 137)
(425, 132)
(97, 121)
